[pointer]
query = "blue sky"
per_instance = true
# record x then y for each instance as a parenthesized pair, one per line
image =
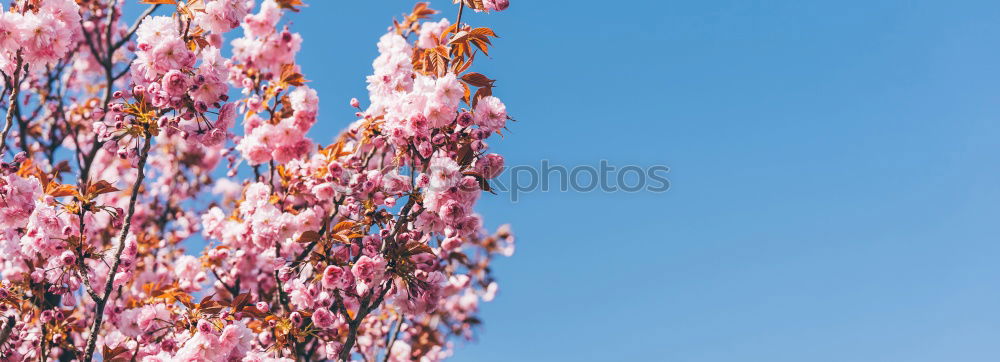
(834, 170)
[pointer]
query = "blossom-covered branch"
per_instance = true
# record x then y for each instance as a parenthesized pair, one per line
(365, 248)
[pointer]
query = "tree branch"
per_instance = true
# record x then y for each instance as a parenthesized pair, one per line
(11, 101)
(8, 327)
(395, 336)
(322, 231)
(108, 286)
(363, 310)
(458, 22)
(135, 26)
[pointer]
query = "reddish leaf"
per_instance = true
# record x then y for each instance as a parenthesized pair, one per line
(481, 93)
(468, 92)
(290, 76)
(481, 44)
(459, 37)
(465, 155)
(308, 237)
(290, 4)
(483, 32)
(415, 247)
(101, 187)
(343, 225)
(252, 310)
(110, 354)
(477, 80)
(206, 299)
(57, 190)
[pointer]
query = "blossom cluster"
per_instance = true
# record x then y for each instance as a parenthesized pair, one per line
(114, 139)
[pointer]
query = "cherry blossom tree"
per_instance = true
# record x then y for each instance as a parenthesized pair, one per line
(125, 139)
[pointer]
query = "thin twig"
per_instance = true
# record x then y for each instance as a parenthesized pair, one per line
(395, 336)
(108, 286)
(110, 78)
(458, 22)
(322, 232)
(11, 101)
(135, 26)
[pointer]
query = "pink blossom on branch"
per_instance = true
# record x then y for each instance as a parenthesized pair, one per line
(365, 248)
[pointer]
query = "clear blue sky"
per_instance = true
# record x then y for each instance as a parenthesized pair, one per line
(835, 170)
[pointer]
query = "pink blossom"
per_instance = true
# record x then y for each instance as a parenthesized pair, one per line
(430, 33)
(368, 271)
(9, 32)
(175, 82)
(172, 54)
(444, 172)
(19, 196)
(401, 352)
(491, 114)
(299, 295)
(238, 338)
(337, 277)
(376, 223)
(323, 318)
(451, 243)
(490, 166)
(264, 21)
(222, 15)
(67, 258)
(152, 316)
(189, 274)
(496, 5)
(45, 39)
(155, 30)
(66, 11)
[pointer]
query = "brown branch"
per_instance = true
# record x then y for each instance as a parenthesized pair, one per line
(45, 344)
(108, 286)
(458, 22)
(395, 336)
(234, 290)
(322, 231)
(110, 28)
(90, 42)
(11, 101)
(404, 215)
(135, 26)
(363, 310)
(110, 77)
(8, 327)
(81, 268)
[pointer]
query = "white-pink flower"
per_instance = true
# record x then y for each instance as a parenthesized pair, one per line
(491, 113)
